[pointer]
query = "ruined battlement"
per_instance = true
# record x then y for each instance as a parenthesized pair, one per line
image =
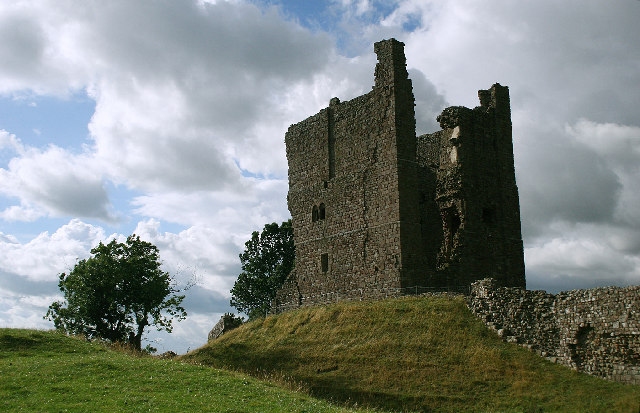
(596, 331)
(469, 179)
(377, 211)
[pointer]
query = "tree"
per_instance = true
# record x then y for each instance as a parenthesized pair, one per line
(116, 293)
(266, 262)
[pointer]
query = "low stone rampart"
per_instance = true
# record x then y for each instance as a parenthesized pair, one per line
(289, 296)
(596, 331)
(226, 323)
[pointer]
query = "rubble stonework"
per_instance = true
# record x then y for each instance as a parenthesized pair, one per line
(378, 212)
(226, 323)
(596, 331)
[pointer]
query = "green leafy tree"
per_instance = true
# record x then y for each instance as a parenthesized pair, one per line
(116, 293)
(266, 262)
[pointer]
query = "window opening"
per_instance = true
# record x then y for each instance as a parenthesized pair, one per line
(324, 262)
(454, 222)
(314, 213)
(321, 214)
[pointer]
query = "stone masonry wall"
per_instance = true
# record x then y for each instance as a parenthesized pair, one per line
(377, 211)
(596, 331)
(475, 196)
(226, 323)
(346, 174)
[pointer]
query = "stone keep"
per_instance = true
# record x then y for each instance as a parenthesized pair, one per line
(377, 211)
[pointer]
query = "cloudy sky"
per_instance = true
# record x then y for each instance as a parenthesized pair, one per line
(166, 118)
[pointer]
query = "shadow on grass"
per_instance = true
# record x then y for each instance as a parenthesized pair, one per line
(245, 358)
(333, 387)
(17, 342)
(339, 391)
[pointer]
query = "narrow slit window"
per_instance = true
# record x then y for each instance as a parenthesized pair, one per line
(324, 262)
(455, 223)
(321, 214)
(314, 213)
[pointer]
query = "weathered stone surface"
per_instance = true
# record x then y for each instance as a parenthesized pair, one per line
(226, 323)
(378, 212)
(596, 331)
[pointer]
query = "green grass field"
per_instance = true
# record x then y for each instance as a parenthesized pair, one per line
(49, 372)
(410, 354)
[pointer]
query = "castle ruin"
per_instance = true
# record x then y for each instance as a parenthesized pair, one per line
(378, 211)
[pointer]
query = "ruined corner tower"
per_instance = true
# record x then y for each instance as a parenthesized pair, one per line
(377, 211)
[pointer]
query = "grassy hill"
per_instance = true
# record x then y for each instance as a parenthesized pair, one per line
(49, 372)
(409, 354)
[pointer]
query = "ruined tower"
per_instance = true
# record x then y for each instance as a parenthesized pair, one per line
(377, 211)
(468, 178)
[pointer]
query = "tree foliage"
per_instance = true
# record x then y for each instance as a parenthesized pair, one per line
(266, 262)
(116, 293)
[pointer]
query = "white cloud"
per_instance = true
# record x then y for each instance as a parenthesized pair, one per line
(584, 256)
(190, 333)
(179, 86)
(619, 147)
(186, 89)
(20, 213)
(25, 311)
(47, 255)
(209, 255)
(619, 144)
(9, 141)
(259, 201)
(550, 52)
(561, 178)
(55, 182)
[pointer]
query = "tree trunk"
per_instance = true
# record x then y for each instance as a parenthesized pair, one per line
(137, 340)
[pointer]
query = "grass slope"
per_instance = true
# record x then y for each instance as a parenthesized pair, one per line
(46, 372)
(410, 354)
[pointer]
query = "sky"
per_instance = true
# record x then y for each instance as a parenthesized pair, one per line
(166, 118)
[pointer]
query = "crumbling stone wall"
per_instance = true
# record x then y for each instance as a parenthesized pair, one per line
(226, 323)
(473, 190)
(600, 331)
(377, 211)
(596, 331)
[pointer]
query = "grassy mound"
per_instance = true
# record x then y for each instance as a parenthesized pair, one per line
(49, 372)
(410, 354)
